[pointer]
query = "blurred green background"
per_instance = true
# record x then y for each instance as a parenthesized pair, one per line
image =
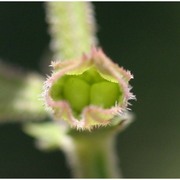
(142, 37)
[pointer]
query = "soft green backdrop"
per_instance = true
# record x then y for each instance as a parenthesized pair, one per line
(142, 37)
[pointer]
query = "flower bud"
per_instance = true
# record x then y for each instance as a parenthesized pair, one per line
(88, 91)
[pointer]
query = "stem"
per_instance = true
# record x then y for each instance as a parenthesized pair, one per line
(93, 154)
(72, 28)
(19, 94)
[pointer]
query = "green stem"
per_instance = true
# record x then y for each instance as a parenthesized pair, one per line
(94, 154)
(19, 95)
(72, 28)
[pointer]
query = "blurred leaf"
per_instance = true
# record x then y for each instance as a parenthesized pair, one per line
(48, 135)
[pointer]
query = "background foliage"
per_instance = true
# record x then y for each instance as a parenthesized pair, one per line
(142, 37)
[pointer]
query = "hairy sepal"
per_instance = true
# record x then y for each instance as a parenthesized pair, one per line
(91, 115)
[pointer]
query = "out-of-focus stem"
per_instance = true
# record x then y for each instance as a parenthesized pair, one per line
(19, 95)
(72, 28)
(94, 154)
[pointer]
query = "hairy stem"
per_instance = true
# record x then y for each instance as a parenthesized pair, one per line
(72, 28)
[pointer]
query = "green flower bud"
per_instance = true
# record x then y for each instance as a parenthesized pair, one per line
(89, 91)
